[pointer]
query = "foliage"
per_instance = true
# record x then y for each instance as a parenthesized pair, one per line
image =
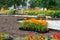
(35, 3)
(10, 12)
(43, 3)
(4, 36)
(42, 37)
(34, 24)
(55, 14)
(48, 4)
(32, 13)
(43, 13)
(21, 2)
(9, 3)
(36, 37)
(6, 3)
(38, 13)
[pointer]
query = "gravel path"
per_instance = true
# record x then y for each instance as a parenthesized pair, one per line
(9, 25)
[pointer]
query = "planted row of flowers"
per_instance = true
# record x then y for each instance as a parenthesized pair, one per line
(4, 10)
(34, 25)
(42, 37)
(4, 36)
(52, 13)
(39, 13)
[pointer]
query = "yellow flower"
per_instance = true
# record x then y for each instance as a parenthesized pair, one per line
(25, 18)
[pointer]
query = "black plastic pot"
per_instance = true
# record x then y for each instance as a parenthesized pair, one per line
(9, 38)
(43, 31)
(28, 29)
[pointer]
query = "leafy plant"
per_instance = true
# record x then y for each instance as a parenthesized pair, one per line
(36, 37)
(42, 37)
(34, 24)
(31, 13)
(10, 12)
(4, 36)
(41, 15)
(55, 14)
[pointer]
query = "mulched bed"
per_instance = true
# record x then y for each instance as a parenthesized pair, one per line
(9, 24)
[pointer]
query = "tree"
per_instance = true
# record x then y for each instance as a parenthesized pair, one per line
(35, 3)
(48, 3)
(8, 3)
(43, 3)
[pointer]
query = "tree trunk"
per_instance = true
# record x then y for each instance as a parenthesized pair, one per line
(14, 12)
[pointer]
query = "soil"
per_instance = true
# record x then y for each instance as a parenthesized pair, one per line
(9, 24)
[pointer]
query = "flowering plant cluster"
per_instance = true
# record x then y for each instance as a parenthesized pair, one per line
(4, 36)
(52, 13)
(34, 24)
(39, 13)
(42, 37)
(55, 36)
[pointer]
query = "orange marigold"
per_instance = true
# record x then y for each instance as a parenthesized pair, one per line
(44, 22)
(47, 29)
(41, 19)
(0, 37)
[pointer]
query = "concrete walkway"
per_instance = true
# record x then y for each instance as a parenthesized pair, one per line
(54, 24)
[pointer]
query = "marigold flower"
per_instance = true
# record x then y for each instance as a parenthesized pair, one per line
(43, 35)
(47, 29)
(54, 35)
(37, 22)
(41, 38)
(41, 19)
(36, 38)
(44, 22)
(0, 37)
(46, 18)
(30, 36)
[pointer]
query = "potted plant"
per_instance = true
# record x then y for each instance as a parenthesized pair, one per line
(4, 36)
(34, 25)
(36, 37)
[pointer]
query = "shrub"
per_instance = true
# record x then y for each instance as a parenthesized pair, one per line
(10, 12)
(55, 15)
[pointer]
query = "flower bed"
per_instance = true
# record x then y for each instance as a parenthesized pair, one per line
(38, 13)
(42, 37)
(34, 25)
(4, 36)
(52, 13)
